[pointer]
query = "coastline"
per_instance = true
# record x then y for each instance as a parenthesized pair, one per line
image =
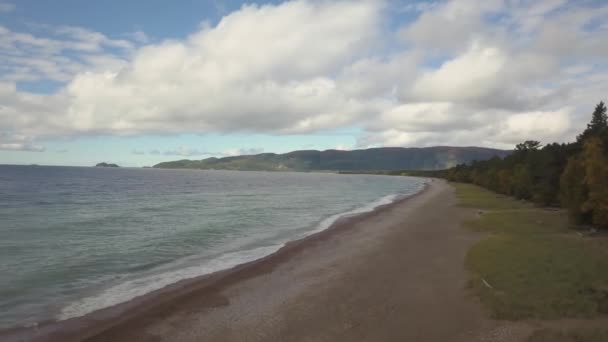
(108, 319)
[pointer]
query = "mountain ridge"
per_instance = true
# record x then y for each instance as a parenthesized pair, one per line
(372, 159)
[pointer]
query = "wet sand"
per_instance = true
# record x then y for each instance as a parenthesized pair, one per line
(396, 274)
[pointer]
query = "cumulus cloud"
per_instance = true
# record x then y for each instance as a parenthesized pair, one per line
(260, 69)
(458, 72)
(447, 26)
(425, 117)
(471, 76)
(546, 126)
(428, 124)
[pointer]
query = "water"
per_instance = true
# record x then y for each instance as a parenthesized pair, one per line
(73, 240)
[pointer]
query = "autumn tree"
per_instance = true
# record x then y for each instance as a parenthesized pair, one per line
(573, 191)
(596, 180)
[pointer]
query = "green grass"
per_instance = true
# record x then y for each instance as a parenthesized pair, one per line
(577, 335)
(472, 196)
(521, 221)
(537, 267)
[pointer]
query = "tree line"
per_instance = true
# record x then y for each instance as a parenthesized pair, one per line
(572, 175)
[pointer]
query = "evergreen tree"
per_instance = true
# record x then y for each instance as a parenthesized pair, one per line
(598, 125)
(574, 175)
(528, 145)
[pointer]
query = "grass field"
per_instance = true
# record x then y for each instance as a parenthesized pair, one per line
(534, 266)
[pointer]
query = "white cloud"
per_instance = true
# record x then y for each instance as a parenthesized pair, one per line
(343, 147)
(16, 142)
(185, 152)
(493, 128)
(487, 76)
(464, 72)
(139, 36)
(424, 117)
(87, 40)
(544, 126)
(242, 152)
(469, 77)
(25, 116)
(17, 146)
(58, 53)
(449, 25)
(260, 69)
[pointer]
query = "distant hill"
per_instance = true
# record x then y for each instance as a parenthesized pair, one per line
(106, 165)
(373, 159)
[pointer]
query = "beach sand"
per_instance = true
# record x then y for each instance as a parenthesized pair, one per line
(395, 274)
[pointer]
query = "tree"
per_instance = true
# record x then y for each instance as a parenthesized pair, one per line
(528, 145)
(574, 175)
(522, 182)
(598, 125)
(596, 180)
(573, 191)
(546, 167)
(505, 182)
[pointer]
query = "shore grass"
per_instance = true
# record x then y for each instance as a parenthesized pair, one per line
(532, 265)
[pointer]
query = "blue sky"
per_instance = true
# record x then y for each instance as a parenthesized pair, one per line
(141, 82)
(160, 19)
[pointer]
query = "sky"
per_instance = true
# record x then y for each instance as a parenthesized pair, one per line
(144, 81)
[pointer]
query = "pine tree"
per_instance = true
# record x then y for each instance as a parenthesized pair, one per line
(598, 125)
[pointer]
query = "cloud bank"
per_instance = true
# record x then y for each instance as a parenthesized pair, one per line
(455, 72)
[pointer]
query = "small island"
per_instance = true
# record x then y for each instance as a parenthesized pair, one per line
(106, 165)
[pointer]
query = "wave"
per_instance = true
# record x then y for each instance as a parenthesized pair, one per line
(137, 287)
(130, 289)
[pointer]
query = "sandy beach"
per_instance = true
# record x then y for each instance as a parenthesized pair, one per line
(395, 274)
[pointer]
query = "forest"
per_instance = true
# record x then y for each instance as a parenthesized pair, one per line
(573, 175)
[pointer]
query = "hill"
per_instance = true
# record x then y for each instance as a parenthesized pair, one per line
(106, 165)
(380, 159)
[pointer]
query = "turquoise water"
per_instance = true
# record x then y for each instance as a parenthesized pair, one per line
(74, 240)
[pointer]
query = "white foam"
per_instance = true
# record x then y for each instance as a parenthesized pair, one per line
(137, 287)
(326, 223)
(131, 289)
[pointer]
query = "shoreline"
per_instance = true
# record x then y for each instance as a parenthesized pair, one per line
(103, 320)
